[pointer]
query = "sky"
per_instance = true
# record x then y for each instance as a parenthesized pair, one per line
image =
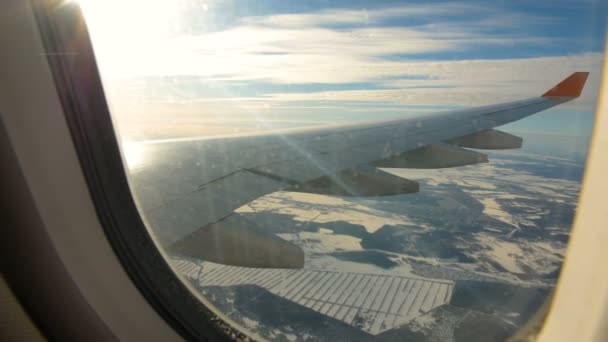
(264, 64)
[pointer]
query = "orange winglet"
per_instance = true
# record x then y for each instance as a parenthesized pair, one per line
(570, 87)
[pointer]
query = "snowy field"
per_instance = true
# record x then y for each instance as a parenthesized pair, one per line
(385, 302)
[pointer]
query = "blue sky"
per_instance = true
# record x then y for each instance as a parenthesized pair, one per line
(339, 61)
(579, 22)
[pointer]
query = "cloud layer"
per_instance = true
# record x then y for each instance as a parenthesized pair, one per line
(395, 57)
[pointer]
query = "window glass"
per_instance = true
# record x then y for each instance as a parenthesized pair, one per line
(289, 159)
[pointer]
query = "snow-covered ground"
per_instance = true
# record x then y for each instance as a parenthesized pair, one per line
(377, 302)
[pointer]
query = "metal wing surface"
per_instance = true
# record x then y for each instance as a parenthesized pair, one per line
(188, 189)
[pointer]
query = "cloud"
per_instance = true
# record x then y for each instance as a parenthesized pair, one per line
(312, 55)
(312, 47)
(363, 16)
(386, 48)
(471, 82)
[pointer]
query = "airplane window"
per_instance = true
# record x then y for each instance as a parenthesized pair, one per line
(356, 170)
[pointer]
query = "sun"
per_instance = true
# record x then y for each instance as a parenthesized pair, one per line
(134, 154)
(125, 32)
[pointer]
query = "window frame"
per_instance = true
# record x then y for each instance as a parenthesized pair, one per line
(70, 56)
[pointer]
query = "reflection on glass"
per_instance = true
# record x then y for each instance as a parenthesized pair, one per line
(463, 253)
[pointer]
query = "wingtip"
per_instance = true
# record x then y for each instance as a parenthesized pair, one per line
(572, 86)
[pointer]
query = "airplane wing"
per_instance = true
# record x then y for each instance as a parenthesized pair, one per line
(188, 189)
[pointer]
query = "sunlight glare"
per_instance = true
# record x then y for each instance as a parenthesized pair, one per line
(134, 154)
(124, 32)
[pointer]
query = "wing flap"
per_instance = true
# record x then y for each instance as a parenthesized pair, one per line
(435, 156)
(237, 241)
(209, 203)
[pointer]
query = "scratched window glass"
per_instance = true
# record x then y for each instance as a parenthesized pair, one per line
(350, 170)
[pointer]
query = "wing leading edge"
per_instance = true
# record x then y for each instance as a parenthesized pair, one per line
(189, 189)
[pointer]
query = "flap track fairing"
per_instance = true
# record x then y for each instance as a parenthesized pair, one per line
(435, 156)
(364, 181)
(488, 140)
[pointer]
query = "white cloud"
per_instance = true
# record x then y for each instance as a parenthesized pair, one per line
(472, 82)
(346, 46)
(305, 47)
(311, 55)
(365, 16)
